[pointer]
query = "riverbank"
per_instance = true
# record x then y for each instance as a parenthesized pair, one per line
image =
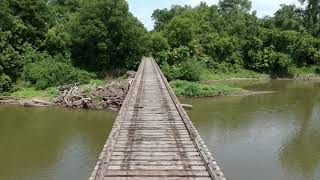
(110, 94)
(208, 76)
(97, 95)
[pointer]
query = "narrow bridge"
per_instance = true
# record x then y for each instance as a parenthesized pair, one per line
(153, 137)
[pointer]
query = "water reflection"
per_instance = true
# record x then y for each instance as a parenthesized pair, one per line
(50, 143)
(270, 136)
(301, 151)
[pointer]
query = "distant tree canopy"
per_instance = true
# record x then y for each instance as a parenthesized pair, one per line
(229, 36)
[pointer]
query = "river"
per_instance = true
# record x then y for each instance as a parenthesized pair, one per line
(51, 143)
(262, 137)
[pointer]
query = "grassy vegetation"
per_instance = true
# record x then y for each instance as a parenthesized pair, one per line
(194, 89)
(25, 91)
(208, 75)
(307, 72)
(304, 72)
(33, 92)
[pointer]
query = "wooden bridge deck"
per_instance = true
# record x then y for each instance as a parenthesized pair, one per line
(153, 137)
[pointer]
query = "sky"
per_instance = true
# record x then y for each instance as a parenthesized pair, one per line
(143, 9)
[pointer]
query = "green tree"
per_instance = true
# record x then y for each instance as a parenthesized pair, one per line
(162, 17)
(312, 15)
(180, 31)
(158, 42)
(289, 18)
(106, 35)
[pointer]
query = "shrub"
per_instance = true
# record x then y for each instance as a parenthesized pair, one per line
(174, 56)
(273, 62)
(158, 42)
(49, 73)
(5, 83)
(190, 70)
(171, 72)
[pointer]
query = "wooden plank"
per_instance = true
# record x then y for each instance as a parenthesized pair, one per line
(155, 162)
(174, 141)
(153, 146)
(153, 139)
(156, 149)
(157, 143)
(155, 131)
(154, 154)
(128, 159)
(156, 178)
(142, 173)
(153, 135)
(153, 168)
(135, 144)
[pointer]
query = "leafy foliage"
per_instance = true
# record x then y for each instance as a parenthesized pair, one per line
(5, 83)
(228, 37)
(49, 73)
(105, 35)
(96, 35)
(42, 41)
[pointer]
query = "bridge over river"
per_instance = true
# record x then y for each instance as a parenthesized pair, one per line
(153, 137)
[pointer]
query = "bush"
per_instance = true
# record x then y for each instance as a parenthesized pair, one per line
(158, 42)
(49, 73)
(171, 72)
(190, 70)
(273, 62)
(5, 83)
(174, 56)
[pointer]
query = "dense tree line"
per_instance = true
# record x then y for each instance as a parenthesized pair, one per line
(229, 37)
(52, 42)
(46, 43)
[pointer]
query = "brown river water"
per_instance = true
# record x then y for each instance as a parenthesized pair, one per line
(262, 137)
